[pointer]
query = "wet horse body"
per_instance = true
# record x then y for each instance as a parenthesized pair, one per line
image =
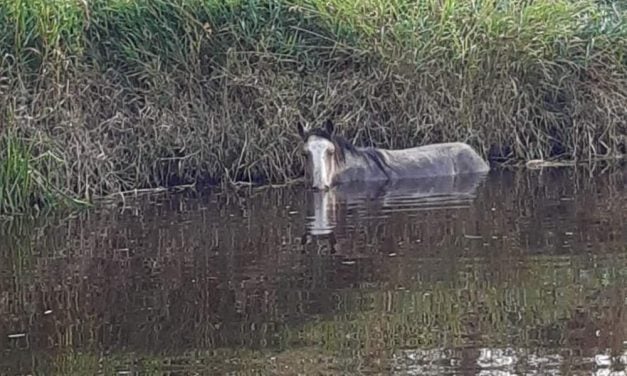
(334, 161)
(445, 159)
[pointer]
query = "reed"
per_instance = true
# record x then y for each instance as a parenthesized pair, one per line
(140, 94)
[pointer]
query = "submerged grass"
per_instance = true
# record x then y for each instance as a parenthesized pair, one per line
(138, 94)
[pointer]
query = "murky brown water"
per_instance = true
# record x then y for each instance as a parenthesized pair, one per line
(522, 273)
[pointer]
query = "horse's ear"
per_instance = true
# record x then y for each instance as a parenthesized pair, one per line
(329, 126)
(301, 130)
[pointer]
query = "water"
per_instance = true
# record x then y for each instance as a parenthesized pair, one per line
(518, 274)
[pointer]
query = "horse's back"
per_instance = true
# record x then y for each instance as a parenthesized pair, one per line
(440, 159)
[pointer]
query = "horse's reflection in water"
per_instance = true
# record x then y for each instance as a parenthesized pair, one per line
(330, 211)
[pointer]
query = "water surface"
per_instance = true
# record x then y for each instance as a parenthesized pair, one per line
(513, 273)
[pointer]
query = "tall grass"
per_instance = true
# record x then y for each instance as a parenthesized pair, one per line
(23, 182)
(136, 94)
(18, 187)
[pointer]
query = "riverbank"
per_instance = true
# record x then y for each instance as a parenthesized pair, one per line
(115, 95)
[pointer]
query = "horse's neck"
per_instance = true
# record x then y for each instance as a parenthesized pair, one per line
(354, 161)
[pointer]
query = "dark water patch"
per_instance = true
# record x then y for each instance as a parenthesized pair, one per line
(512, 273)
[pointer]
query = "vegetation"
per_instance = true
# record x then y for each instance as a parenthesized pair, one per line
(22, 185)
(15, 173)
(119, 95)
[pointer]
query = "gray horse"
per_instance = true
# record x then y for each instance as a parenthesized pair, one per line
(332, 160)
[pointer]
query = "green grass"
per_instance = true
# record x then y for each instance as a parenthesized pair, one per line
(15, 174)
(140, 94)
(21, 185)
(24, 186)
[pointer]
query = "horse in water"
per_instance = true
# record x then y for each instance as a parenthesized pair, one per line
(332, 160)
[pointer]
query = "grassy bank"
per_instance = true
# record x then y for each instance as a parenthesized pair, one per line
(113, 95)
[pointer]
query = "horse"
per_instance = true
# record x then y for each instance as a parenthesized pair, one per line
(332, 160)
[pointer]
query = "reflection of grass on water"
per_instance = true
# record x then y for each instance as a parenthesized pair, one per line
(535, 308)
(16, 248)
(91, 363)
(243, 362)
(470, 311)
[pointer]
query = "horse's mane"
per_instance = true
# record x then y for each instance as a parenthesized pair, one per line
(343, 146)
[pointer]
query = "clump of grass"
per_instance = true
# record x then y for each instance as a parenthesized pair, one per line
(18, 186)
(140, 94)
(23, 186)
